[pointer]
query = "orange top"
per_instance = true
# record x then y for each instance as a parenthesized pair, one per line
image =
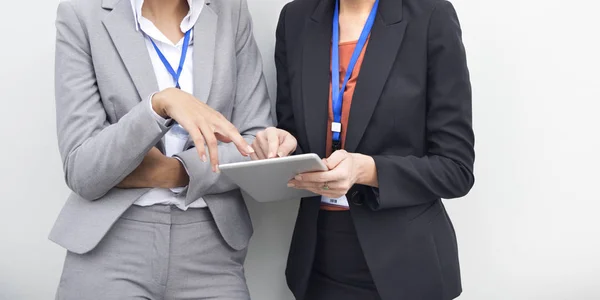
(346, 51)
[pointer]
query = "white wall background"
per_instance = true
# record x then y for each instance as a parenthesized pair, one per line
(529, 229)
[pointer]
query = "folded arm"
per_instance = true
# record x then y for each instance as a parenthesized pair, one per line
(96, 155)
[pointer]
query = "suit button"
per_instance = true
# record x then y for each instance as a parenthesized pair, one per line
(356, 198)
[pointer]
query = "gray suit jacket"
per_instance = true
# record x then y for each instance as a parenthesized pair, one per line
(104, 78)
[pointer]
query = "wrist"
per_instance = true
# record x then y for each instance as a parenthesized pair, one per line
(158, 104)
(170, 174)
(178, 175)
(366, 170)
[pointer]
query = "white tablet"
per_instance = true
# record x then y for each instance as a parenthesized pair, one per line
(266, 180)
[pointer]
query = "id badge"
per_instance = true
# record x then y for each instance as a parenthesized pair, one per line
(341, 201)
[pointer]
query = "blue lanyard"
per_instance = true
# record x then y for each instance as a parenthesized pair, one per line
(186, 44)
(337, 96)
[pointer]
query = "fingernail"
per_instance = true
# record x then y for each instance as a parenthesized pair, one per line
(217, 170)
(204, 159)
(291, 185)
(298, 177)
(280, 154)
(271, 155)
(250, 150)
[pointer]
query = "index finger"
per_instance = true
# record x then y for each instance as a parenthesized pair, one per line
(273, 140)
(318, 177)
(211, 142)
(198, 139)
(288, 145)
(236, 138)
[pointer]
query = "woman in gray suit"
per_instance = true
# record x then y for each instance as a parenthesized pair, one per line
(141, 88)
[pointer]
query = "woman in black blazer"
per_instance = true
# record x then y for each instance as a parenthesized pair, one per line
(408, 143)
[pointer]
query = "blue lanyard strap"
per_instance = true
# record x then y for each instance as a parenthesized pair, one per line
(337, 95)
(176, 75)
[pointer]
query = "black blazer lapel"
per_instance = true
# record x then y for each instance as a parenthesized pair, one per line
(384, 44)
(316, 75)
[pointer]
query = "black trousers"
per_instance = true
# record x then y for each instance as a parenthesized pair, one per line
(339, 271)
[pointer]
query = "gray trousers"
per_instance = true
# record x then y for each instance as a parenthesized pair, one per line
(157, 252)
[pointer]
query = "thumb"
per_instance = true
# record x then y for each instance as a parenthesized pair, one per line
(335, 159)
(288, 144)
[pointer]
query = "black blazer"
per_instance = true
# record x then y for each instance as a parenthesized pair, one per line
(411, 112)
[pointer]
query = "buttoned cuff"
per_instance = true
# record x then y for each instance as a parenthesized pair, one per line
(375, 191)
(181, 190)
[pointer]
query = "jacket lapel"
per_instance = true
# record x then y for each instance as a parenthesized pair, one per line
(384, 44)
(316, 75)
(205, 33)
(131, 46)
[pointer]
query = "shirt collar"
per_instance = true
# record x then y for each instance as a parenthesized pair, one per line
(186, 24)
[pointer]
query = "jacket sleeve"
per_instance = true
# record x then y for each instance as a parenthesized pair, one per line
(284, 107)
(251, 113)
(446, 171)
(96, 155)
